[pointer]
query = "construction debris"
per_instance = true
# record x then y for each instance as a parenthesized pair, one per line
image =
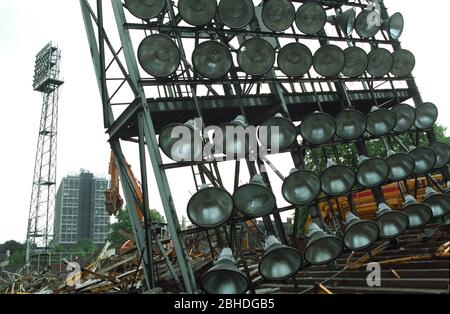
(107, 273)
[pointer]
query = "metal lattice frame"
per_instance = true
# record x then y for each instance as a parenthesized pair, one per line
(186, 95)
(40, 220)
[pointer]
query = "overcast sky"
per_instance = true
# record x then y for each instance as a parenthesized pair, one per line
(26, 26)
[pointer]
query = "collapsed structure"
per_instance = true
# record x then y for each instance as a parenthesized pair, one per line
(239, 64)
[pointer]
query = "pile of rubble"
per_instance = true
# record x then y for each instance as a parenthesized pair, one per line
(109, 272)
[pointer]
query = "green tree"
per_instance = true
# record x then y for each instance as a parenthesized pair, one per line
(441, 136)
(59, 248)
(302, 220)
(123, 224)
(348, 153)
(84, 246)
(17, 258)
(11, 246)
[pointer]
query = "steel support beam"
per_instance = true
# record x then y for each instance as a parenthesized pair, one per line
(154, 153)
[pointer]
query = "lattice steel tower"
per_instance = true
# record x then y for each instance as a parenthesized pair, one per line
(46, 81)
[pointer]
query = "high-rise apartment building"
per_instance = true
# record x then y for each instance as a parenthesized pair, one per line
(80, 209)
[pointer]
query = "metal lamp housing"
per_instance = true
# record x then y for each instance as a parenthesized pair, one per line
(278, 15)
(322, 248)
(401, 165)
(351, 124)
(419, 215)
(197, 12)
(295, 59)
(394, 26)
(372, 172)
(236, 14)
(256, 57)
(424, 159)
(224, 277)
(254, 199)
(360, 234)
(362, 26)
(159, 56)
(346, 21)
(337, 180)
(279, 262)
(239, 146)
(178, 148)
(145, 9)
(404, 63)
(380, 63)
(318, 128)
(310, 18)
(406, 116)
(301, 187)
(391, 223)
(442, 152)
(356, 62)
(329, 60)
(210, 207)
(212, 59)
(381, 122)
(283, 138)
(426, 116)
(438, 202)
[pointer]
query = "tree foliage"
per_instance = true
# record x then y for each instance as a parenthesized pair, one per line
(16, 250)
(84, 246)
(17, 258)
(348, 154)
(124, 224)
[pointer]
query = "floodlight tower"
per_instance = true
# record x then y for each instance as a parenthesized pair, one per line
(47, 82)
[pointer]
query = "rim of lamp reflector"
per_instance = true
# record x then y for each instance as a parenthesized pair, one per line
(442, 152)
(295, 59)
(367, 163)
(322, 238)
(423, 113)
(345, 122)
(155, 69)
(202, 62)
(381, 62)
(228, 270)
(289, 250)
(392, 169)
(357, 224)
(280, 121)
(245, 211)
(196, 152)
(398, 20)
(193, 16)
(348, 170)
(386, 215)
(142, 10)
(302, 173)
(309, 120)
(329, 60)
(226, 217)
(356, 61)
(254, 67)
(404, 63)
(233, 20)
(282, 19)
(419, 167)
(404, 121)
(308, 23)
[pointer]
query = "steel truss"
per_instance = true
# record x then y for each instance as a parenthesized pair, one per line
(155, 103)
(40, 219)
